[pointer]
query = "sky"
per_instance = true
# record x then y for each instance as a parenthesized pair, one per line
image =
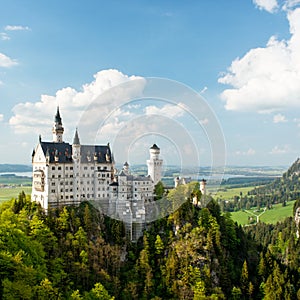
(211, 82)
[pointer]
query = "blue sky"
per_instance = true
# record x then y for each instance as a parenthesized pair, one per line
(242, 56)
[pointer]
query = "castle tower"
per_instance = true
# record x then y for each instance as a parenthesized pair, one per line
(57, 129)
(76, 156)
(154, 164)
(203, 187)
(126, 168)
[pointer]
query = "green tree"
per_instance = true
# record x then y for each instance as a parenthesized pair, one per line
(159, 190)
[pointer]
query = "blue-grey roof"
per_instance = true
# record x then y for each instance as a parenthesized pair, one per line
(62, 150)
(88, 152)
(76, 138)
(155, 147)
(57, 118)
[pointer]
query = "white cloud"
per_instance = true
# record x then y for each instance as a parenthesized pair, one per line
(280, 150)
(268, 5)
(279, 118)
(16, 28)
(168, 110)
(290, 4)
(1, 117)
(266, 79)
(204, 121)
(6, 61)
(37, 116)
(4, 36)
(249, 152)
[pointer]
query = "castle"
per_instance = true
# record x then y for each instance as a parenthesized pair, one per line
(67, 174)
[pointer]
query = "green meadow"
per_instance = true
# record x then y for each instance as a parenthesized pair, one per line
(7, 193)
(229, 193)
(272, 216)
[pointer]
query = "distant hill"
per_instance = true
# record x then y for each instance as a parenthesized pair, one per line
(286, 185)
(14, 168)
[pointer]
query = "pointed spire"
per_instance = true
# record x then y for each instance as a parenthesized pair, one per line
(76, 138)
(57, 118)
(40, 138)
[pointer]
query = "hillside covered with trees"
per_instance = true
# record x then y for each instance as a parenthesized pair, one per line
(77, 253)
(280, 190)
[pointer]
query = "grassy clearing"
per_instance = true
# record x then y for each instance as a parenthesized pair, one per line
(272, 216)
(13, 192)
(228, 194)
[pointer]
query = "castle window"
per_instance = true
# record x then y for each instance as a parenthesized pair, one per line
(61, 190)
(53, 183)
(71, 190)
(71, 197)
(92, 168)
(67, 197)
(59, 168)
(85, 168)
(59, 176)
(107, 174)
(53, 168)
(67, 168)
(53, 176)
(61, 197)
(52, 191)
(71, 168)
(71, 175)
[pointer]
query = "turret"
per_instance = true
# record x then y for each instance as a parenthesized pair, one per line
(126, 168)
(76, 147)
(203, 186)
(58, 129)
(154, 164)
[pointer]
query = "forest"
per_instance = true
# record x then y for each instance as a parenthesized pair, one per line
(194, 253)
(280, 190)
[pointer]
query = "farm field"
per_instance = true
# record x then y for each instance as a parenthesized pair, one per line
(228, 194)
(12, 192)
(272, 216)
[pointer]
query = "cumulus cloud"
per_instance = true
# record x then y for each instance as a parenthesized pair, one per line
(279, 118)
(280, 149)
(266, 79)
(6, 62)
(16, 28)
(249, 152)
(35, 116)
(268, 5)
(168, 110)
(290, 4)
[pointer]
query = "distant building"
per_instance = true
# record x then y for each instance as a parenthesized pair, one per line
(67, 174)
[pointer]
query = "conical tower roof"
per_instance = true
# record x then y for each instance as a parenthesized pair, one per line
(76, 138)
(57, 118)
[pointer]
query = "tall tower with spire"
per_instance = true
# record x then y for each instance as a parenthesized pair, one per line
(154, 164)
(58, 129)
